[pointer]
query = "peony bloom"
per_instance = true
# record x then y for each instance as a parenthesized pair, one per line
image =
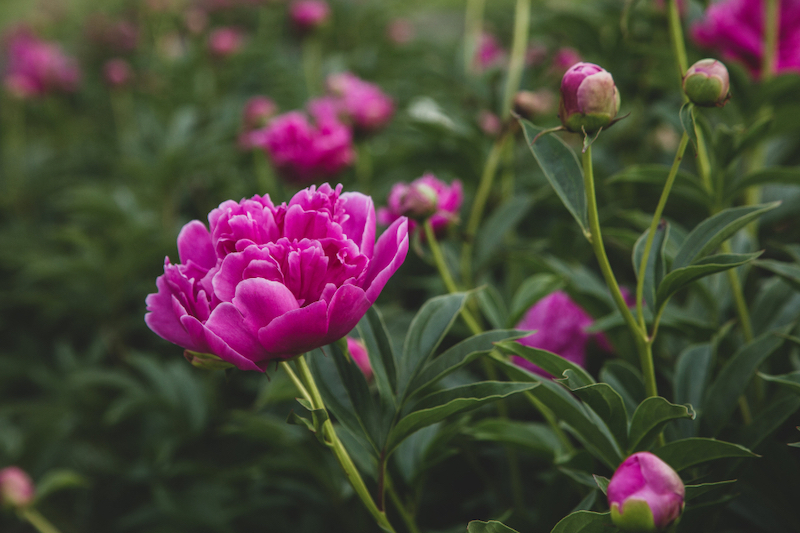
(361, 102)
(224, 42)
(736, 29)
(35, 67)
(560, 326)
(308, 15)
(359, 354)
(424, 197)
(117, 73)
(266, 282)
(16, 487)
(589, 99)
(645, 494)
(303, 151)
(489, 54)
(707, 83)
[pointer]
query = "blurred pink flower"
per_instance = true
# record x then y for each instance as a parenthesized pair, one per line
(16, 487)
(359, 354)
(35, 67)
(535, 55)
(736, 29)
(489, 123)
(400, 31)
(489, 53)
(120, 36)
(117, 72)
(308, 15)
(257, 112)
(195, 20)
(531, 104)
(225, 41)
(408, 198)
(361, 102)
(563, 59)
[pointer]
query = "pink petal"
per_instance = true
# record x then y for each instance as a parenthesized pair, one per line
(360, 226)
(297, 331)
(347, 306)
(231, 339)
(194, 243)
(390, 252)
(260, 301)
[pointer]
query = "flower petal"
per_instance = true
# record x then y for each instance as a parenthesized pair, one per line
(347, 306)
(231, 339)
(360, 225)
(260, 301)
(296, 332)
(194, 244)
(390, 252)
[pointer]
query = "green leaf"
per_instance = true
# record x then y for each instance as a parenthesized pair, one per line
(681, 277)
(650, 418)
(427, 330)
(656, 265)
(608, 405)
(782, 175)
(440, 405)
(724, 392)
(686, 185)
(790, 272)
(58, 479)
(770, 419)
(693, 491)
(373, 333)
(585, 522)
(602, 482)
(562, 169)
(535, 437)
(692, 373)
(626, 380)
(492, 306)
(503, 219)
(491, 526)
(547, 361)
(791, 381)
(712, 232)
(687, 122)
(459, 355)
(684, 453)
(531, 291)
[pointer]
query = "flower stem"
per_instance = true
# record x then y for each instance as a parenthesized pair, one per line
(312, 60)
(738, 297)
(676, 36)
(473, 27)
(34, 518)
(339, 450)
(405, 515)
(654, 225)
(771, 29)
(522, 19)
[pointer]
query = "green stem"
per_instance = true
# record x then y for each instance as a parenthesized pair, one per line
(405, 515)
(473, 28)
(364, 167)
(34, 518)
(13, 115)
(738, 297)
(771, 29)
(676, 37)
(297, 383)
(312, 65)
(339, 450)
(444, 272)
(522, 19)
(654, 225)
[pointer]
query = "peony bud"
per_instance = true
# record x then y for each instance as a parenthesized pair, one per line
(589, 98)
(645, 494)
(224, 42)
(359, 354)
(257, 112)
(706, 83)
(308, 15)
(16, 487)
(117, 73)
(422, 198)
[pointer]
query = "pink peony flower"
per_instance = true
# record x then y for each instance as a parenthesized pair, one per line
(489, 54)
(266, 282)
(363, 103)
(560, 326)
(359, 354)
(645, 494)
(736, 29)
(35, 67)
(117, 72)
(16, 487)
(224, 42)
(302, 151)
(309, 15)
(422, 197)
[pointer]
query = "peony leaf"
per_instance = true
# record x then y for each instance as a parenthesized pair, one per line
(650, 418)
(608, 404)
(692, 374)
(536, 438)
(492, 526)
(782, 175)
(585, 522)
(656, 266)
(381, 355)
(548, 361)
(790, 272)
(687, 121)
(684, 453)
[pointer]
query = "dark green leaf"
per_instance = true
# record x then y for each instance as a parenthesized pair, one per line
(58, 479)
(791, 381)
(585, 522)
(535, 437)
(650, 418)
(492, 306)
(686, 185)
(531, 291)
(626, 380)
(602, 482)
(682, 454)
(548, 361)
(712, 232)
(491, 526)
(373, 333)
(503, 219)
(790, 272)
(693, 491)
(656, 265)
(687, 122)
(692, 373)
(724, 392)
(782, 175)
(770, 419)
(563, 170)
(440, 405)
(608, 404)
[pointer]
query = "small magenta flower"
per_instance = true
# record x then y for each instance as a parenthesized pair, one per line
(362, 103)
(257, 112)
(266, 283)
(35, 67)
(645, 494)
(490, 123)
(489, 53)
(589, 99)
(563, 60)
(359, 354)
(707, 84)
(224, 42)
(560, 326)
(16, 487)
(117, 73)
(422, 198)
(308, 15)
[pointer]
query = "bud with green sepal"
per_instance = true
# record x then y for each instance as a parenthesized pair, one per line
(589, 99)
(707, 84)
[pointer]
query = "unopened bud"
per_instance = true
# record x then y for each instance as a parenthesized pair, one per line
(206, 361)
(589, 98)
(707, 84)
(16, 487)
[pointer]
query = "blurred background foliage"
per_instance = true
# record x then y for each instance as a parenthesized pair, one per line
(145, 442)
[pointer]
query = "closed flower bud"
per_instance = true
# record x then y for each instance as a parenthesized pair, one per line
(645, 494)
(16, 487)
(308, 15)
(424, 197)
(589, 99)
(706, 83)
(359, 354)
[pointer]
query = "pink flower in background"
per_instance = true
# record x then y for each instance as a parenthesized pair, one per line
(117, 73)
(35, 67)
(16, 487)
(423, 197)
(560, 326)
(563, 59)
(359, 354)
(309, 15)
(535, 55)
(489, 123)
(120, 36)
(643, 478)
(400, 31)
(531, 104)
(736, 29)
(363, 103)
(489, 53)
(266, 282)
(224, 42)
(195, 19)
(303, 151)
(257, 112)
